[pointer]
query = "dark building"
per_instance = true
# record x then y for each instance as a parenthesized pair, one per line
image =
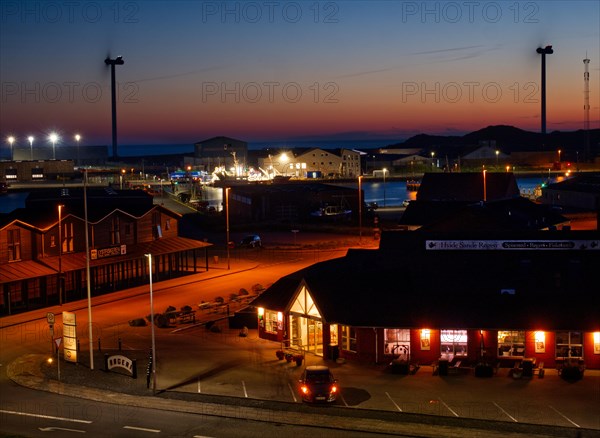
(43, 249)
(493, 297)
(220, 152)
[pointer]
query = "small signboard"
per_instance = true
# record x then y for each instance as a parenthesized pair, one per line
(111, 251)
(70, 335)
(50, 317)
(57, 341)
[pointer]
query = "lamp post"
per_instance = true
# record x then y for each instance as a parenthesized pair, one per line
(559, 151)
(384, 172)
(359, 208)
(77, 138)
(484, 187)
(432, 155)
(149, 256)
(87, 271)
(497, 153)
(11, 140)
(227, 222)
(30, 138)
(53, 139)
(60, 293)
(544, 51)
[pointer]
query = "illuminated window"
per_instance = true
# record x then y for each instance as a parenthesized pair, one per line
(454, 342)
(270, 321)
(348, 338)
(333, 334)
(397, 342)
(569, 344)
(115, 234)
(511, 343)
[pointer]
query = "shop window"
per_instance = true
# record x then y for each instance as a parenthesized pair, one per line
(348, 338)
(270, 321)
(397, 342)
(67, 235)
(569, 344)
(511, 343)
(454, 342)
(333, 334)
(14, 245)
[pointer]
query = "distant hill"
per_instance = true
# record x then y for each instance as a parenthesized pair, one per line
(508, 139)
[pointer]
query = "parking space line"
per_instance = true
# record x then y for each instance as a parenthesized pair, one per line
(142, 429)
(393, 402)
(344, 400)
(199, 387)
(292, 391)
(564, 416)
(244, 386)
(448, 407)
(506, 413)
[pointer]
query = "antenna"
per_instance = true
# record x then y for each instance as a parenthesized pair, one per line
(586, 107)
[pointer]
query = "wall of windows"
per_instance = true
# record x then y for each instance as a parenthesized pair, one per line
(511, 343)
(569, 344)
(453, 342)
(397, 342)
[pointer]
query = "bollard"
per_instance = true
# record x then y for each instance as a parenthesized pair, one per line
(99, 345)
(105, 361)
(78, 346)
(119, 344)
(134, 369)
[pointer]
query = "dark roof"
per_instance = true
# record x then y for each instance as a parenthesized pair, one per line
(404, 285)
(220, 138)
(586, 183)
(467, 187)
(509, 214)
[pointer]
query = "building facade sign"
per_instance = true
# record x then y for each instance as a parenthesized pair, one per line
(111, 251)
(511, 245)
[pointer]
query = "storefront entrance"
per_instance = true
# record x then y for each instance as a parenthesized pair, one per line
(306, 327)
(306, 334)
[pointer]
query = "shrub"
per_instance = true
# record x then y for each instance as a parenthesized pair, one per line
(138, 322)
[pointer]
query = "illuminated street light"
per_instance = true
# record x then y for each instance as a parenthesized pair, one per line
(11, 140)
(77, 138)
(559, 151)
(497, 153)
(30, 138)
(484, 187)
(149, 256)
(53, 137)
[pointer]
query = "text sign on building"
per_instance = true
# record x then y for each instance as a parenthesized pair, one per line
(511, 245)
(69, 336)
(120, 362)
(111, 251)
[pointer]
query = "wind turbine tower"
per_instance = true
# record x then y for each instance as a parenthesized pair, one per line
(586, 106)
(544, 51)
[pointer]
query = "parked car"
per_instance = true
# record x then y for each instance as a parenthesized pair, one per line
(251, 241)
(317, 384)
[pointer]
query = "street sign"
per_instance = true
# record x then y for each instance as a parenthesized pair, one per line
(57, 341)
(50, 318)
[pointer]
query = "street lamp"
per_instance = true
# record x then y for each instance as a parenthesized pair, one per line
(484, 187)
(60, 294)
(227, 223)
(30, 138)
(77, 138)
(149, 256)
(53, 137)
(359, 208)
(432, 155)
(11, 140)
(497, 153)
(384, 172)
(559, 151)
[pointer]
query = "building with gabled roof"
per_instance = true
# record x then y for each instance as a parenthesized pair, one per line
(43, 249)
(494, 297)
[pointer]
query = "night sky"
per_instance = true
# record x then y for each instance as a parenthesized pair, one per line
(265, 71)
